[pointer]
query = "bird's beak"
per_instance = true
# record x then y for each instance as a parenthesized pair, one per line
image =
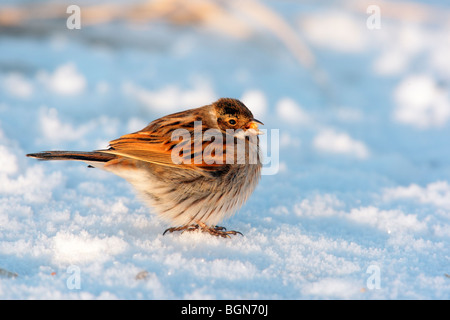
(253, 124)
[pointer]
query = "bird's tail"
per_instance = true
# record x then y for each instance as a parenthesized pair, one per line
(94, 156)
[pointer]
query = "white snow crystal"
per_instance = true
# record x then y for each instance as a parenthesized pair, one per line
(420, 102)
(17, 85)
(435, 193)
(8, 161)
(291, 112)
(65, 80)
(335, 30)
(334, 142)
(70, 248)
(256, 101)
(171, 98)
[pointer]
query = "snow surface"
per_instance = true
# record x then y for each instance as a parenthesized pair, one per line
(359, 208)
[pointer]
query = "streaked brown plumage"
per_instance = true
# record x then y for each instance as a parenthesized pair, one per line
(191, 179)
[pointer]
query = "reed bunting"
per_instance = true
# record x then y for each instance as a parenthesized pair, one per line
(195, 167)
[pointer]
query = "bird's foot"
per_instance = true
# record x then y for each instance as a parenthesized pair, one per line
(215, 230)
(218, 231)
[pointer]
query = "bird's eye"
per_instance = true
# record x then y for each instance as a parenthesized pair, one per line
(232, 122)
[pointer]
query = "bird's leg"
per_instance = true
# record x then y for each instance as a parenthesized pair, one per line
(191, 227)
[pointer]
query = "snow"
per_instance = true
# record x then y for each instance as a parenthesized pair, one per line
(66, 80)
(359, 207)
(17, 85)
(421, 102)
(289, 111)
(336, 30)
(169, 98)
(330, 141)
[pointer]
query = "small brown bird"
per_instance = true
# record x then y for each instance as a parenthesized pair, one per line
(195, 167)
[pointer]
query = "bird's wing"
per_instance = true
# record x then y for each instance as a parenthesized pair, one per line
(175, 141)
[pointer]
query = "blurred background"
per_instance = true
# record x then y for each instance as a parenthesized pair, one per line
(359, 90)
